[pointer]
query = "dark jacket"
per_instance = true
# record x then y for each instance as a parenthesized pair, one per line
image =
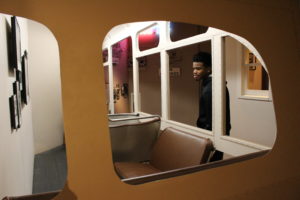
(205, 107)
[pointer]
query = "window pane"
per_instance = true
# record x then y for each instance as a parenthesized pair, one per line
(186, 93)
(257, 77)
(105, 55)
(106, 79)
(179, 31)
(122, 74)
(150, 84)
(148, 38)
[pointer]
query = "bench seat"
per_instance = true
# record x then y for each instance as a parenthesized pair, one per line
(132, 169)
(173, 149)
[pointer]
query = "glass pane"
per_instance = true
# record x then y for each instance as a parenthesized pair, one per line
(105, 55)
(106, 79)
(190, 86)
(179, 31)
(122, 81)
(251, 120)
(257, 77)
(150, 84)
(148, 38)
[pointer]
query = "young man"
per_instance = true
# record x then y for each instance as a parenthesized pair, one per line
(202, 72)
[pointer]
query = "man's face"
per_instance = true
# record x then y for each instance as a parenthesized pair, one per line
(200, 71)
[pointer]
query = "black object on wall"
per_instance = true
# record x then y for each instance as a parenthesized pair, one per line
(13, 112)
(17, 92)
(25, 80)
(19, 78)
(16, 44)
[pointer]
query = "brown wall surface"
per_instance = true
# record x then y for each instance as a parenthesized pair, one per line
(80, 26)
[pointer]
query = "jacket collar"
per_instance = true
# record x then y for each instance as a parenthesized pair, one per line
(206, 80)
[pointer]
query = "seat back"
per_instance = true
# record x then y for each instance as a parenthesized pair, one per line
(177, 149)
(132, 142)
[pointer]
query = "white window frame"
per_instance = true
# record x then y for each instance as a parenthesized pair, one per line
(243, 91)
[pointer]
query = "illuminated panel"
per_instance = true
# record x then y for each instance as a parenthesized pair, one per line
(148, 38)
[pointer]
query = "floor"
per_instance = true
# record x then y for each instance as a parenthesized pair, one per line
(50, 170)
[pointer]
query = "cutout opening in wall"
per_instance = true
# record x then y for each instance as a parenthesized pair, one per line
(31, 96)
(186, 97)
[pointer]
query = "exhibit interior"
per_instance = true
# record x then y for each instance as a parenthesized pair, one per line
(150, 88)
(160, 100)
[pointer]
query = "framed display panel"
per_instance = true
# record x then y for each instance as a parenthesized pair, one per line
(16, 44)
(148, 38)
(25, 80)
(17, 92)
(13, 112)
(19, 78)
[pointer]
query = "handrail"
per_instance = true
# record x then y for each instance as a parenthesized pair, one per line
(192, 169)
(125, 114)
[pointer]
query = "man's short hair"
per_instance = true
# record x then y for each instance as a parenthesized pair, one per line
(203, 57)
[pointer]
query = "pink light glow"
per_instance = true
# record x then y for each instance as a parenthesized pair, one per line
(148, 38)
(150, 31)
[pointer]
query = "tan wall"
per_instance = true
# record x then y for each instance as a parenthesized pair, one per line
(90, 171)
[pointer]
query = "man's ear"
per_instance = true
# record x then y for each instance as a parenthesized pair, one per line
(209, 70)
